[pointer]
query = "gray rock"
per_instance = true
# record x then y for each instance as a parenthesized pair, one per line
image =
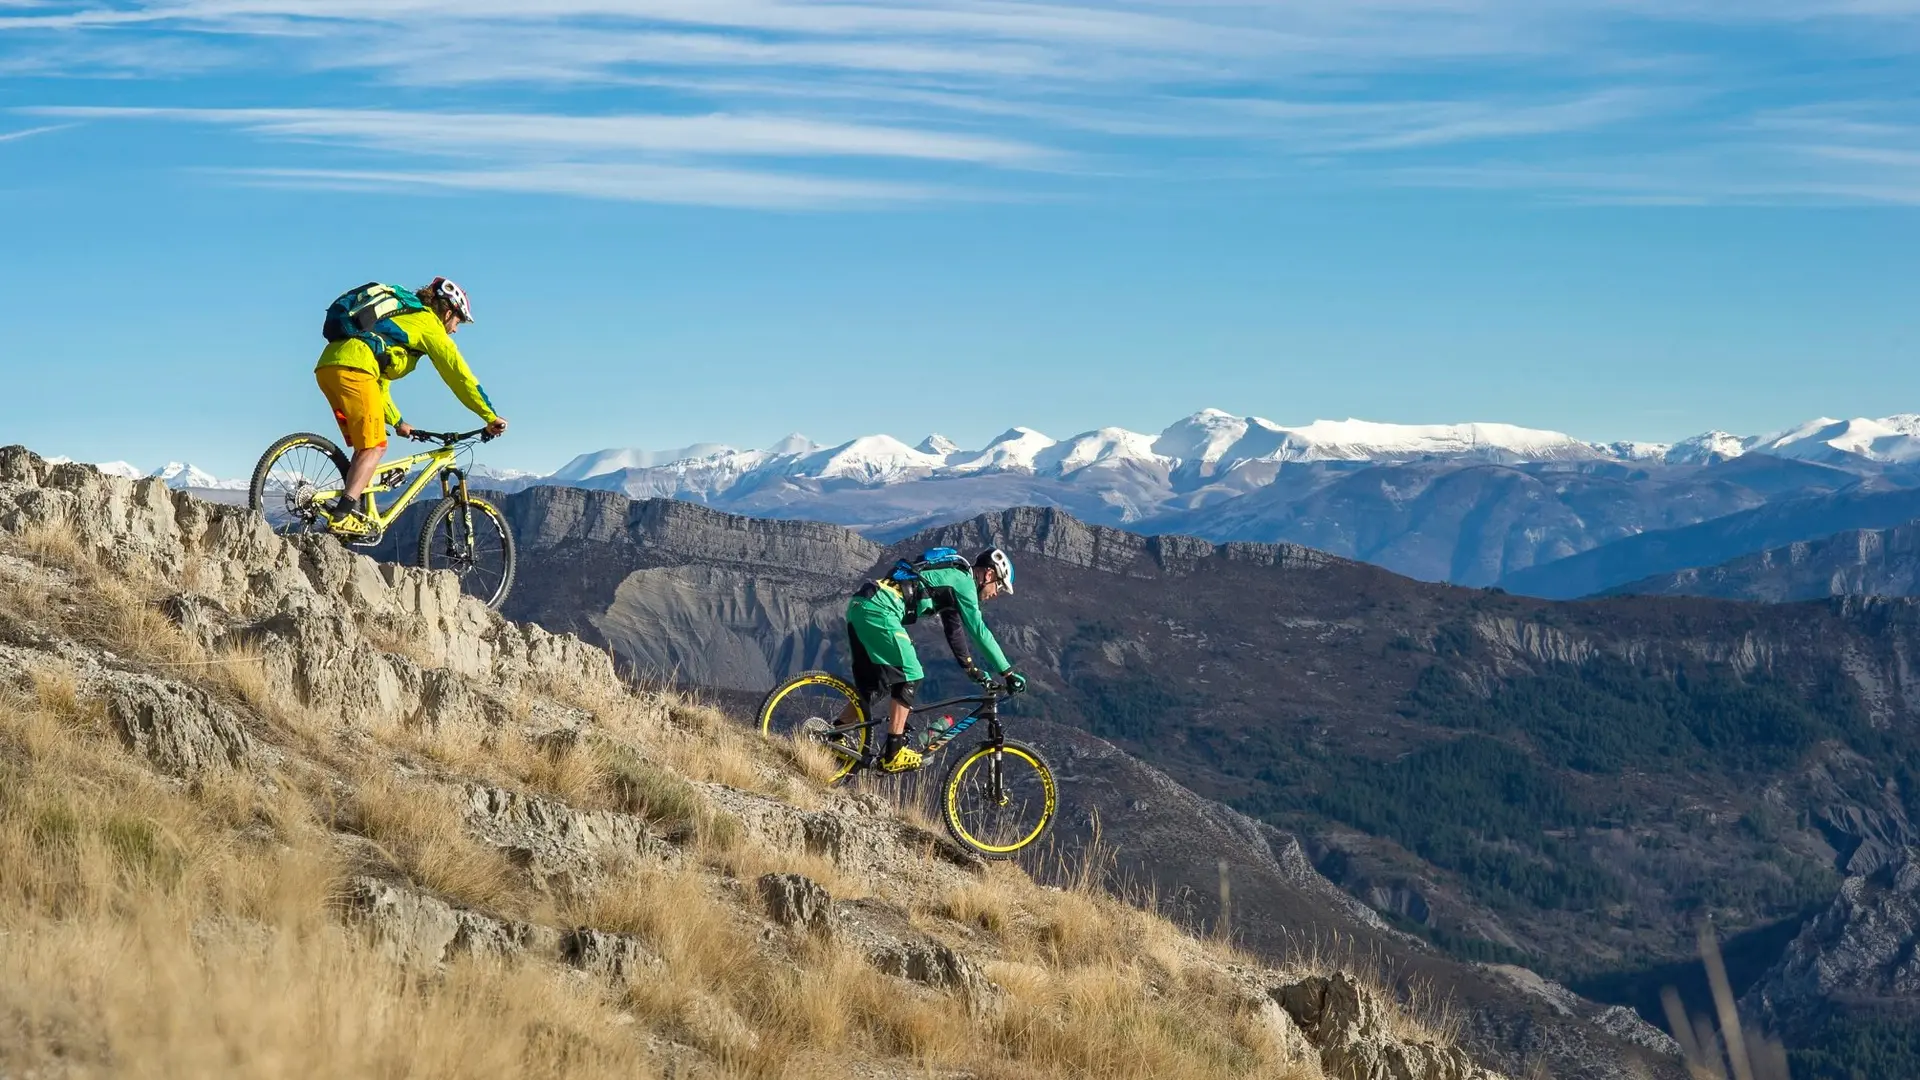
(181, 729)
(797, 901)
(892, 944)
(620, 957)
(1348, 1027)
(421, 930)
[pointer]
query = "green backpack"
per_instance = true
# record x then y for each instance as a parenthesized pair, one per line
(366, 314)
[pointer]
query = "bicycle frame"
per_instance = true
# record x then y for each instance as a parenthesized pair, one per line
(986, 707)
(438, 462)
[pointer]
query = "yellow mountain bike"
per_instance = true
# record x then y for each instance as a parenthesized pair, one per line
(998, 797)
(300, 474)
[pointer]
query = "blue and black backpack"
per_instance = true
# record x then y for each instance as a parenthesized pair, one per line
(366, 315)
(906, 577)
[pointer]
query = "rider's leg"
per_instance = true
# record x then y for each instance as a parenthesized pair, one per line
(360, 411)
(898, 725)
(366, 461)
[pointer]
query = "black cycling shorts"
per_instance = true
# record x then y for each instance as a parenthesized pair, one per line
(873, 679)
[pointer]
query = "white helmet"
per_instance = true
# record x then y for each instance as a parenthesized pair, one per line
(996, 560)
(449, 294)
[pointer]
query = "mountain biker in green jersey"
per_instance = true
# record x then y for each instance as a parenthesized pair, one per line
(884, 660)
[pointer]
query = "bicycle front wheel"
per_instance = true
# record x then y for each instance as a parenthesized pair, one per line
(810, 706)
(292, 478)
(999, 798)
(471, 538)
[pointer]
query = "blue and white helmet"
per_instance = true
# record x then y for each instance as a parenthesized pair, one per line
(996, 560)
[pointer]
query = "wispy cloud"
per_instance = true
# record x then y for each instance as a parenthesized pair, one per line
(622, 182)
(716, 134)
(13, 136)
(1400, 89)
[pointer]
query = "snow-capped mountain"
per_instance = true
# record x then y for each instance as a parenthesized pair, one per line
(1211, 447)
(174, 474)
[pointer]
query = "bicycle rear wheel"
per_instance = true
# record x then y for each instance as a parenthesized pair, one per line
(808, 707)
(999, 798)
(291, 478)
(470, 537)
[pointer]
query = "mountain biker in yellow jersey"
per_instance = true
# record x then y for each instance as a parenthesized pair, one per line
(355, 381)
(883, 656)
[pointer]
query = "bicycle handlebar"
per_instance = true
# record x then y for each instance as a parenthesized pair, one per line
(448, 438)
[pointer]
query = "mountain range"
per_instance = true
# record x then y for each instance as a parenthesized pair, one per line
(1529, 510)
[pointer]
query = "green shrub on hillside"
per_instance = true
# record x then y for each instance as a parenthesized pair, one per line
(1859, 1049)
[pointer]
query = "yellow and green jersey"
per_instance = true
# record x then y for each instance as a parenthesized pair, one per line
(426, 336)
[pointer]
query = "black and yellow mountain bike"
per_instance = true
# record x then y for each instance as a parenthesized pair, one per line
(998, 797)
(300, 474)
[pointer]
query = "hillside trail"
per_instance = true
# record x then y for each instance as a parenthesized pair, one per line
(269, 808)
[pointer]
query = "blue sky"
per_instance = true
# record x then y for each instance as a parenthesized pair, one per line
(690, 220)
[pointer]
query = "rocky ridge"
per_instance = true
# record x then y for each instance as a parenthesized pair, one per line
(1861, 562)
(312, 701)
(1861, 955)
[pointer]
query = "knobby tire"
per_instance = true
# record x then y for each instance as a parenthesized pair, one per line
(448, 522)
(965, 794)
(261, 499)
(834, 693)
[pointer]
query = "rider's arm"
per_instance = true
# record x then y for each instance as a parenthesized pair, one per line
(386, 402)
(431, 337)
(967, 599)
(957, 638)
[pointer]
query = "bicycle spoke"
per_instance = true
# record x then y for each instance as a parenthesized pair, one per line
(292, 484)
(1002, 800)
(472, 543)
(817, 713)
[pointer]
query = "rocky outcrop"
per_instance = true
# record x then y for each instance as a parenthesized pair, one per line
(1877, 562)
(1351, 1033)
(306, 605)
(1863, 952)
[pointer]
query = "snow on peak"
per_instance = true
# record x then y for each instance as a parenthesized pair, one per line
(119, 468)
(795, 443)
(1107, 446)
(1204, 437)
(869, 459)
(938, 445)
(604, 462)
(178, 474)
(1707, 448)
(1359, 440)
(1635, 451)
(1827, 440)
(1016, 448)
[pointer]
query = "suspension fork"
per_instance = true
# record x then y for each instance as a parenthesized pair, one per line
(996, 787)
(453, 482)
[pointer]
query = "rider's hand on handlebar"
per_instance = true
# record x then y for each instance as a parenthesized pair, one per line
(403, 429)
(1016, 683)
(497, 428)
(979, 676)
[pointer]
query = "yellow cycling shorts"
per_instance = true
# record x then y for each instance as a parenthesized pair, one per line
(357, 405)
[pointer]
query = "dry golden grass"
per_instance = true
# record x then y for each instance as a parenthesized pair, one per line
(420, 826)
(146, 936)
